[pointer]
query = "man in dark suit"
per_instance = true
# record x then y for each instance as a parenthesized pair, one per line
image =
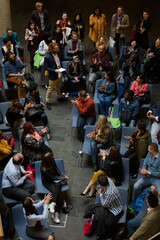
(41, 18)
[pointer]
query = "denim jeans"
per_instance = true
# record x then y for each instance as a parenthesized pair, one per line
(105, 103)
(144, 182)
(95, 147)
(155, 129)
(127, 81)
(119, 40)
(82, 121)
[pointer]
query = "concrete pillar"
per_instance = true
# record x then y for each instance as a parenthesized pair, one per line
(5, 16)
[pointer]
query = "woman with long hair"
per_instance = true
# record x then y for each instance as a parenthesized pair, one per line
(78, 26)
(34, 228)
(97, 22)
(138, 146)
(7, 48)
(106, 92)
(102, 41)
(139, 87)
(100, 138)
(58, 36)
(51, 179)
(111, 167)
(32, 36)
(14, 118)
(33, 146)
(65, 25)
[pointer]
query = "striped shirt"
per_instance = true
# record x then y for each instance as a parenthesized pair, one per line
(110, 198)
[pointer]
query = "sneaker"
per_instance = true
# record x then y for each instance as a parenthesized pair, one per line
(52, 207)
(48, 136)
(67, 95)
(80, 152)
(49, 106)
(55, 217)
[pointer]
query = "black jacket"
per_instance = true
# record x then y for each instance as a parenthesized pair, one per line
(70, 69)
(35, 17)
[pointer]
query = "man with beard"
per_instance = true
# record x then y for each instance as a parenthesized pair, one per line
(15, 71)
(33, 97)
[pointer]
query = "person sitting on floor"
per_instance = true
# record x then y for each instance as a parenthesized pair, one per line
(51, 179)
(34, 228)
(33, 98)
(74, 46)
(150, 171)
(100, 64)
(15, 182)
(111, 167)
(6, 147)
(154, 115)
(74, 77)
(7, 48)
(33, 146)
(106, 92)
(100, 138)
(86, 107)
(138, 146)
(15, 70)
(128, 108)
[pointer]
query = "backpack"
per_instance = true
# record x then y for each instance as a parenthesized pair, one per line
(29, 78)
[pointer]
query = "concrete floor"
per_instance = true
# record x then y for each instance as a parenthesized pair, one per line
(65, 142)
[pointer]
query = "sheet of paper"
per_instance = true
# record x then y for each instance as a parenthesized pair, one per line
(62, 70)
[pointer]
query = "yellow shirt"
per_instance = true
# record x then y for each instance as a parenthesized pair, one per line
(5, 149)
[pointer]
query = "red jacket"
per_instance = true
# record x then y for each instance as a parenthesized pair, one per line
(87, 107)
(104, 59)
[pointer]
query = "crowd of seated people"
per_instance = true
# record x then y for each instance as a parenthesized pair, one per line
(48, 47)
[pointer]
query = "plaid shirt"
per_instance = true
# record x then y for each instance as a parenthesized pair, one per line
(110, 198)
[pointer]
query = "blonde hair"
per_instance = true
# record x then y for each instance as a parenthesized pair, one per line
(39, 4)
(102, 123)
(106, 42)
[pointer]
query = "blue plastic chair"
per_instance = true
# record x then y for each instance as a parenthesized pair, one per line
(38, 129)
(3, 108)
(96, 99)
(76, 114)
(40, 188)
(111, 51)
(20, 222)
(124, 198)
(7, 200)
(126, 131)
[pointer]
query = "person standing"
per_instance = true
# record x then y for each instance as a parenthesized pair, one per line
(52, 64)
(119, 24)
(41, 18)
(97, 23)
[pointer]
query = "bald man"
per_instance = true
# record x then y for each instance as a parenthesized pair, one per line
(15, 182)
